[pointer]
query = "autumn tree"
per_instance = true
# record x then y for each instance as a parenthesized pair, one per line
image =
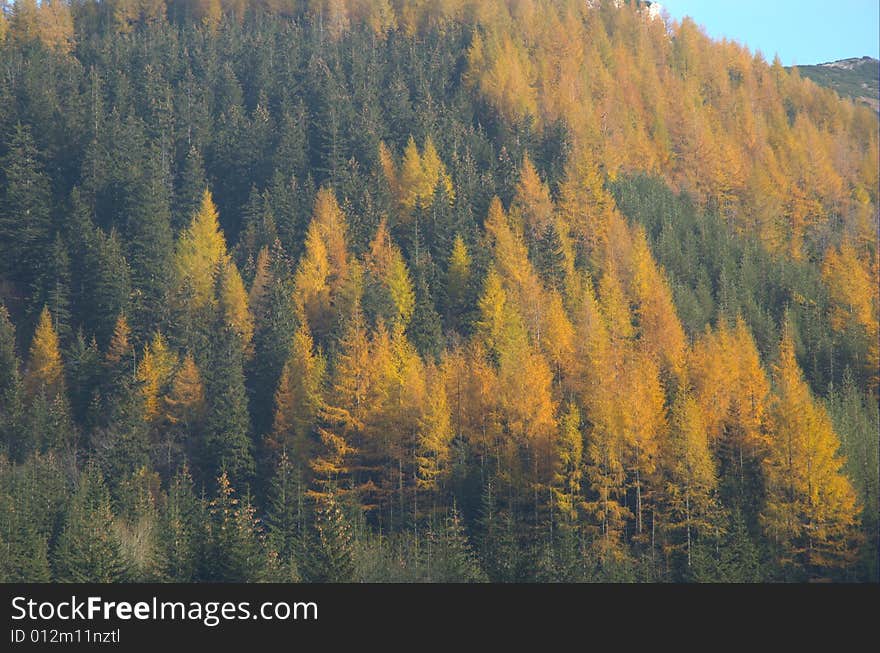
(532, 206)
(811, 511)
(389, 291)
(298, 398)
(183, 414)
(434, 437)
(323, 269)
(199, 253)
(49, 422)
(568, 467)
(689, 479)
(154, 371)
(458, 285)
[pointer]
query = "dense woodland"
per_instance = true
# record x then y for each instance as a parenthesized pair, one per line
(450, 290)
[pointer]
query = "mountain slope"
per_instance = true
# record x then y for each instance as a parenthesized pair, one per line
(400, 290)
(857, 78)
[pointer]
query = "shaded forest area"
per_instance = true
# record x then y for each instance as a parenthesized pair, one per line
(524, 290)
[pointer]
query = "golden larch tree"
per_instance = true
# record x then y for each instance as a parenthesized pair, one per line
(299, 397)
(532, 207)
(811, 511)
(184, 405)
(435, 435)
(234, 303)
(45, 370)
(689, 504)
(200, 249)
(154, 372)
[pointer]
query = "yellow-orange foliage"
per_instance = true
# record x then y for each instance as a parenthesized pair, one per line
(532, 207)
(154, 372)
(184, 405)
(298, 398)
(731, 388)
(856, 293)
(119, 348)
(45, 372)
(689, 492)
(55, 25)
(419, 177)
(200, 249)
(434, 435)
(234, 303)
(323, 269)
(811, 509)
(662, 335)
(385, 262)
(705, 115)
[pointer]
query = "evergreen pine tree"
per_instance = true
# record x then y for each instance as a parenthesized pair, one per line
(108, 285)
(11, 400)
(149, 246)
(25, 220)
(233, 547)
(190, 187)
(327, 554)
(121, 436)
(24, 558)
(55, 284)
(498, 549)
(274, 321)
(549, 257)
(87, 549)
(227, 444)
(285, 518)
(425, 330)
(179, 528)
(452, 557)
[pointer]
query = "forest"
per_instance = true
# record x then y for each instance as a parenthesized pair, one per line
(429, 291)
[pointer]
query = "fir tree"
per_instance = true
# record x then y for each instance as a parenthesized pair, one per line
(274, 321)
(24, 558)
(227, 444)
(452, 558)
(233, 547)
(149, 246)
(425, 330)
(11, 400)
(180, 524)
(285, 519)
(549, 257)
(327, 555)
(190, 188)
(120, 436)
(25, 220)
(87, 549)
(499, 551)
(56, 280)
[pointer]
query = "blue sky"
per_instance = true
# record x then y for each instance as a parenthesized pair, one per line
(800, 31)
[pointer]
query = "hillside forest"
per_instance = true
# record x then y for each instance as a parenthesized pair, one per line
(429, 290)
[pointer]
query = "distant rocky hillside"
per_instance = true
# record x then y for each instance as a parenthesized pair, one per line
(857, 78)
